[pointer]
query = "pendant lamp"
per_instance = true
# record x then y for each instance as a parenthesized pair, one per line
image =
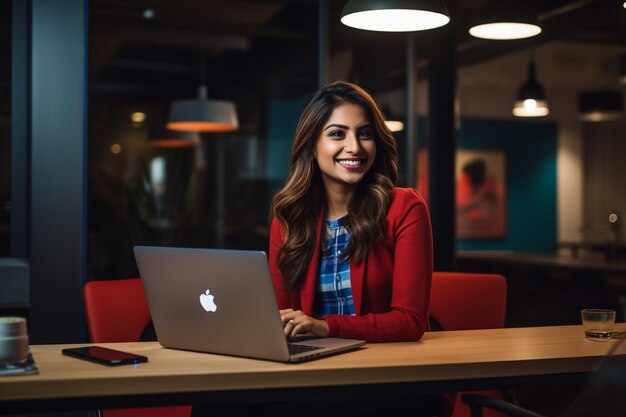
(531, 100)
(395, 15)
(600, 106)
(505, 21)
(203, 115)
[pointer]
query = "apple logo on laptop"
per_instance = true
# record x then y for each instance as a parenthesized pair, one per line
(207, 302)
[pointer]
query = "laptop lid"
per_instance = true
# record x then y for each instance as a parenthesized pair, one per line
(219, 301)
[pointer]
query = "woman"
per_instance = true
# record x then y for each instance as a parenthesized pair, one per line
(340, 195)
(350, 255)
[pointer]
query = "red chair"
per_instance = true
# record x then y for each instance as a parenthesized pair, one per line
(464, 301)
(117, 311)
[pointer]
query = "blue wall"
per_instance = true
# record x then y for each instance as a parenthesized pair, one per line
(531, 150)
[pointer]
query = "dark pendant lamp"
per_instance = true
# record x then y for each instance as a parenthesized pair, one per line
(203, 115)
(531, 99)
(505, 21)
(600, 106)
(395, 15)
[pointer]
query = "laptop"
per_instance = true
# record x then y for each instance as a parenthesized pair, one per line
(221, 301)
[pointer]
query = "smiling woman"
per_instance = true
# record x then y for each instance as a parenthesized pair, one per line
(344, 118)
(350, 254)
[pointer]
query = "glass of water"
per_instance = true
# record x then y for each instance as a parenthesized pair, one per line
(598, 323)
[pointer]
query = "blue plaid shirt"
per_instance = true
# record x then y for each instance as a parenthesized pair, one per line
(334, 293)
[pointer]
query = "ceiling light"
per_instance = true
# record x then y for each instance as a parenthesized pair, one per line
(394, 125)
(600, 106)
(505, 30)
(531, 101)
(531, 108)
(505, 21)
(138, 117)
(203, 115)
(148, 13)
(395, 15)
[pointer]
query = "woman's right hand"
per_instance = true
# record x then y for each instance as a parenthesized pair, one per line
(296, 322)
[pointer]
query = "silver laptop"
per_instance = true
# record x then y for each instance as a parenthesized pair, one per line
(221, 301)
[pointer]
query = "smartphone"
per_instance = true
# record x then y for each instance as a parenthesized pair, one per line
(104, 356)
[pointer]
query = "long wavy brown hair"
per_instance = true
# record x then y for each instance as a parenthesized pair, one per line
(298, 204)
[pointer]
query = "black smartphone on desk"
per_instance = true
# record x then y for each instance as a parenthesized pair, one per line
(104, 356)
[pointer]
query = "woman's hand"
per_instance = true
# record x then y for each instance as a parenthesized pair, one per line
(295, 322)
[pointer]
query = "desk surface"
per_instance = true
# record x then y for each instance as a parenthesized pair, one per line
(443, 357)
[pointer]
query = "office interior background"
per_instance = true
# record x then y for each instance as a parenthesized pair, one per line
(88, 168)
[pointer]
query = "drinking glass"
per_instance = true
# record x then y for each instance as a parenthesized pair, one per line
(598, 323)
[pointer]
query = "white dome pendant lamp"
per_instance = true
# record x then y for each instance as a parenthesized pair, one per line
(395, 15)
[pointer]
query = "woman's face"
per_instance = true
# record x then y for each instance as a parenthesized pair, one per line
(345, 149)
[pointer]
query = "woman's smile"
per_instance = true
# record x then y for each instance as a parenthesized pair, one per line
(351, 163)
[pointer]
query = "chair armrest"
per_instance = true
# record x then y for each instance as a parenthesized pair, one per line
(478, 402)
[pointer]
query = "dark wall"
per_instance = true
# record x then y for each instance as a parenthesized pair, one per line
(604, 186)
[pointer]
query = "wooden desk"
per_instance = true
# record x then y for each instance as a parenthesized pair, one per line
(442, 361)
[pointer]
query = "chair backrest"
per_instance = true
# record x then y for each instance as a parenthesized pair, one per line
(117, 310)
(468, 301)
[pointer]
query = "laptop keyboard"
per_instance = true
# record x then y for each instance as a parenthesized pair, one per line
(295, 348)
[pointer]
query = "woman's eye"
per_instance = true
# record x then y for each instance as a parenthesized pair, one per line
(366, 134)
(336, 134)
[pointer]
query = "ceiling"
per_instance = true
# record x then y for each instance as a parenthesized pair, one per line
(233, 43)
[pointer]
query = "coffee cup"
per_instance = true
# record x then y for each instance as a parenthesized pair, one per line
(13, 340)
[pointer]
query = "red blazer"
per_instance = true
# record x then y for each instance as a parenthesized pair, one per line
(390, 288)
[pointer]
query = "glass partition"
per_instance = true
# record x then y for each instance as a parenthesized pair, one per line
(147, 184)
